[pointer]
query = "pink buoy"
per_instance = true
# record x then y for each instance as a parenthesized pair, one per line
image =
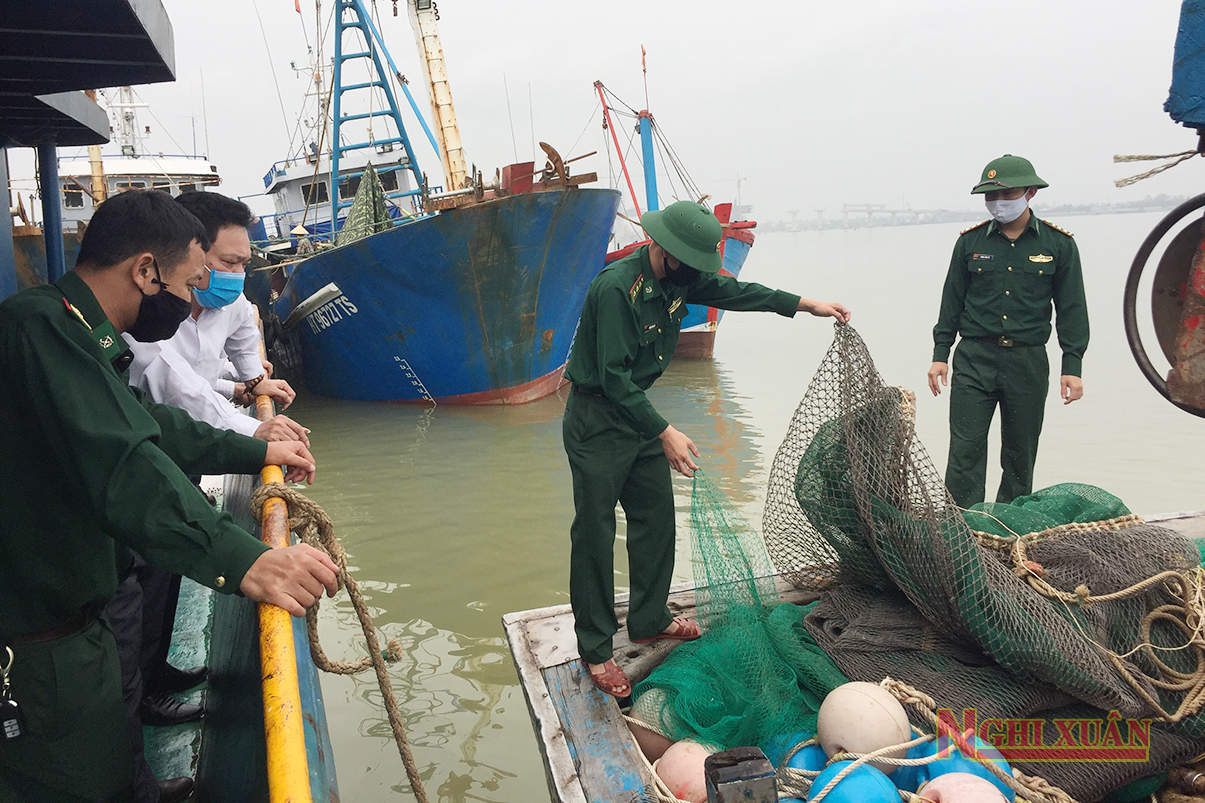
(680, 768)
(961, 787)
(861, 718)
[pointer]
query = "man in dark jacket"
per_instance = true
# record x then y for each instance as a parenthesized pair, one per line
(620, 448)
(89, 469)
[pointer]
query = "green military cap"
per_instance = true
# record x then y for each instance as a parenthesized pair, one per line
(1006, 173)
(689, 232)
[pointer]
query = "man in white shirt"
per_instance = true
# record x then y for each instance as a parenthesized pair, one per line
(214, 355)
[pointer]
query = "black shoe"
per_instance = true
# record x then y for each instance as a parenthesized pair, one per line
(174, 790)
(176, 680)
(160, 708)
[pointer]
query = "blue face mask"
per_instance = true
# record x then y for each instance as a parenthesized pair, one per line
(223, 289)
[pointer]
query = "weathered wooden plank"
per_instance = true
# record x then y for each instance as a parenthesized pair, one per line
(551, 639)
(602, 747)
(560, 770)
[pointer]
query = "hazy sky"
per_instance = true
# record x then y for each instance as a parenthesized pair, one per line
(815, 103)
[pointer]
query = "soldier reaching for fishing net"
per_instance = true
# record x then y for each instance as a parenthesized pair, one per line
(620, 449)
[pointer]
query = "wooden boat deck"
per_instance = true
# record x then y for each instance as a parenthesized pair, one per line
(589, 753)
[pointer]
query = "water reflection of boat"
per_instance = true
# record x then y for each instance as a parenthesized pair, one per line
(464, 296)
(697, 338)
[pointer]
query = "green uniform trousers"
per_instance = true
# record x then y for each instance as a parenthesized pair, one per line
(986, 374)
(610, 463)
(77, 746)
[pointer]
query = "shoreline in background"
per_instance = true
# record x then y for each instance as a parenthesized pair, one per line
(861, 216)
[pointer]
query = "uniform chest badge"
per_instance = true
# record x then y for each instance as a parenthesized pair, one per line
(1041, 258)
(677, 303)
(983, 256)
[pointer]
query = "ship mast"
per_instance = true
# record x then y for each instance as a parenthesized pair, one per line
(423, 16)
(127, 123)
(96, 165)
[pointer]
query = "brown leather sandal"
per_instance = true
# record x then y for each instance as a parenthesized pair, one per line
(684, 630)
(611, 679)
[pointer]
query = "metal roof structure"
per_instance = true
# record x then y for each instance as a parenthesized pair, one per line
(52, 48)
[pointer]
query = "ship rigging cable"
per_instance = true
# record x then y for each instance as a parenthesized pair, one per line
(279, 98)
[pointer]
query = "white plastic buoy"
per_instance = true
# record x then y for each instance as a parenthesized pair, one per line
(861, 717)
(961, 787)
(681, 769)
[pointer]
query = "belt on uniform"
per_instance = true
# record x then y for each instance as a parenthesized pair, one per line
(596, 393)
(68, 628)
(1002, 341)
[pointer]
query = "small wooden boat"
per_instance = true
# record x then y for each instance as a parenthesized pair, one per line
(588, 750)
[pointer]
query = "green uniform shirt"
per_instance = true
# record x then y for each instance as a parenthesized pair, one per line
(629, 329)
(87, 466)
(997, 287)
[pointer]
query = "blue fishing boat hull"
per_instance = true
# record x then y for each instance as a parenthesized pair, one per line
(476, 305)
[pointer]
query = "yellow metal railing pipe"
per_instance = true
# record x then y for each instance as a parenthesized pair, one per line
(284, 726)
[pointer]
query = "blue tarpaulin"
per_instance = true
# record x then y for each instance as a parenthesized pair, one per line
(1186, 101)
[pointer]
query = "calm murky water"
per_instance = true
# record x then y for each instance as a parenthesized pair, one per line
(454, 516)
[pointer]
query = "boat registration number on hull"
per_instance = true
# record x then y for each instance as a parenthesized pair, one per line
(330, 314)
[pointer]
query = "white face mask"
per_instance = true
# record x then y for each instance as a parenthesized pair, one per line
(1007, 211)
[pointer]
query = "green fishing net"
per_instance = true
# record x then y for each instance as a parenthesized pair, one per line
(1061, 607)
(1032, 610)
(368, 213)
(756, 677)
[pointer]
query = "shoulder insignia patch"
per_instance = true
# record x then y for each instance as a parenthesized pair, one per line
(635, 289)
(977, 225)
(1059, 229)
(74, 310)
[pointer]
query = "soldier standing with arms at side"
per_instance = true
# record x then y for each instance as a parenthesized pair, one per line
(1004, 275)
(620, 449)
(90, 469)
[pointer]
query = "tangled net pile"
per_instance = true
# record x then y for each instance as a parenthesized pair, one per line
(1059, 606)
(756, 676)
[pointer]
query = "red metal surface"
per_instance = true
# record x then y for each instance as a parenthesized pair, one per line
(517, 178)
(696, 345)
(1186, 381)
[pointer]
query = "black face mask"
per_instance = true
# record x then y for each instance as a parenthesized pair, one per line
(160, 315)
(683, 276)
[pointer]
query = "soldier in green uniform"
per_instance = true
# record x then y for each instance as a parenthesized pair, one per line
(620, 449)
(1004, 275)
(90, 469)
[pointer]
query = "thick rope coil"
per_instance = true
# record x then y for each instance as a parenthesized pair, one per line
(1186, 586)
(1027, 787)
(1178, 157)
(314, 527)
